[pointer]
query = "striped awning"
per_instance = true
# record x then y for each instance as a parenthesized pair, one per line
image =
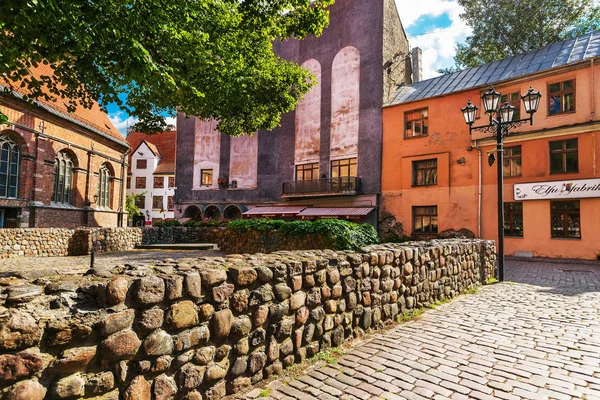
(335, 212)
(289, 211)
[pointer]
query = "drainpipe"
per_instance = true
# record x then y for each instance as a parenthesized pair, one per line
(479, 187)
(123, 186)
(593, 97)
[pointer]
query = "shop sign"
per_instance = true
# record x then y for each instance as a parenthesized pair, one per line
(575, 189)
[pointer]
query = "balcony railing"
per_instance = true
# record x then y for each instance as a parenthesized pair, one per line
(318, 187)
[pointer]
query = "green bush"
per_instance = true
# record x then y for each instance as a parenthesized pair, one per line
(205, 222)
(338, 234)
(166, 223)
(260, 225)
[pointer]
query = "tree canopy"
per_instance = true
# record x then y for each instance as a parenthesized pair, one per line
(207, 58)
(503, 28)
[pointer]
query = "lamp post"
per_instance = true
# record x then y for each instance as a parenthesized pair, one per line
(500, 122)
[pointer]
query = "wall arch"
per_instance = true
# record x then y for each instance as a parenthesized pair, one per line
(308, 119)
(212, 212)
(232, 212)
(192, 212)
(18, 139)
(345, 103)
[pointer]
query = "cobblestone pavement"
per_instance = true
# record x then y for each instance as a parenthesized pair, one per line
(537, 337)
(79, 264)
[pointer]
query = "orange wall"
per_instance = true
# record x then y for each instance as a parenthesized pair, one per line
(456, 194)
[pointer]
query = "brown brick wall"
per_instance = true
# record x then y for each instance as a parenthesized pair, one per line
(37, 173)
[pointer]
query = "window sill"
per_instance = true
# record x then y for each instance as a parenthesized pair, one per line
(415, 137)
(564, 238)
(419, 186)
(513, 237)
(561, 113)
(564, 173)
(512, 176)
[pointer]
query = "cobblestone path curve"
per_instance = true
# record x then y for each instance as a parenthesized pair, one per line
(537, 337)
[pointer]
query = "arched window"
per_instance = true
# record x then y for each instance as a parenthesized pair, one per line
(104, 187)
(10, 157)
(63, 179)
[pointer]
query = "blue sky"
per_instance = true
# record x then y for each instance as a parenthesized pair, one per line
(432, 25)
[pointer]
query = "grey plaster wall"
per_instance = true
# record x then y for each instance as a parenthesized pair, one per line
(355, 23)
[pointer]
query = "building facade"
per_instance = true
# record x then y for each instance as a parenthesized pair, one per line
(59, 169)
(326, 155)
(436, 176)
(152, 175)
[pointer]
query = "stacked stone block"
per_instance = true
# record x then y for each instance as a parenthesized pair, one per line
(202, 329)
(233, 242)
(54, 242)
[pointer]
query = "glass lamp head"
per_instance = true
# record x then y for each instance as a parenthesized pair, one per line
(491, 98)
(469, 112)
(506, 112)
(531, 100)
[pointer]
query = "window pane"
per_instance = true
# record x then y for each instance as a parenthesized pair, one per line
(556, 163)
(571, 144)
(555, 87)
(556, 146)
(567, 85)
(571, 162)
(569, 102)
(516, 167)
(555, 106)
(573, 226)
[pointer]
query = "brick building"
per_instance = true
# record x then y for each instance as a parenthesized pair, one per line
(152, 174)
(59, 169)
(435, 175)
(325, 159)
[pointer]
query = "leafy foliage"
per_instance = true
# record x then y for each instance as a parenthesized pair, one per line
(166, 223)
(259, 224)
(208, 58)
(338, 234)
(503, 28)
(130, 200)
(205, 222)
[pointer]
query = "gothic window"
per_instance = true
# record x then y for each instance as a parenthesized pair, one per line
(63, 179)
(10, 157)
(104, 187)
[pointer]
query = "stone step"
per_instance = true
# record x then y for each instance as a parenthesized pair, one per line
(180, 246)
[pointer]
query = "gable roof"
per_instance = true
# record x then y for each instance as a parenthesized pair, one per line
(551, 56)
(162, 145)
(93, 119)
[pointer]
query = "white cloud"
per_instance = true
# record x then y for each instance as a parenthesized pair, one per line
(438, 44)
(121, 123)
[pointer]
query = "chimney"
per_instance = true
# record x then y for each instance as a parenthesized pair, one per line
(417, 64)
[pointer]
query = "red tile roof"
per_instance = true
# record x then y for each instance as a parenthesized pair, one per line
(162, 143)
(93, 118)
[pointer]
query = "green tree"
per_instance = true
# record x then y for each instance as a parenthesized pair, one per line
(503, 28)
(130, 207)
(208, 58)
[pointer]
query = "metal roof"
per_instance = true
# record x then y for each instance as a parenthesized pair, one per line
(335, 211)
(292, 210)
(554, 55)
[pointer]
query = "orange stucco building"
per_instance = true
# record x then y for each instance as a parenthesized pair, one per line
(435, 175)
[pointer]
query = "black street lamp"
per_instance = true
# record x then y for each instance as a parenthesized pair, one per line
(500, 124)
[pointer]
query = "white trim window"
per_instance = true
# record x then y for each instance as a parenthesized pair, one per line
(10, 162)
(104, 187)
(63, 179)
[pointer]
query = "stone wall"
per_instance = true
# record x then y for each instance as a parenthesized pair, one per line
(52, 242)
(206, 327)
(234, 242)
